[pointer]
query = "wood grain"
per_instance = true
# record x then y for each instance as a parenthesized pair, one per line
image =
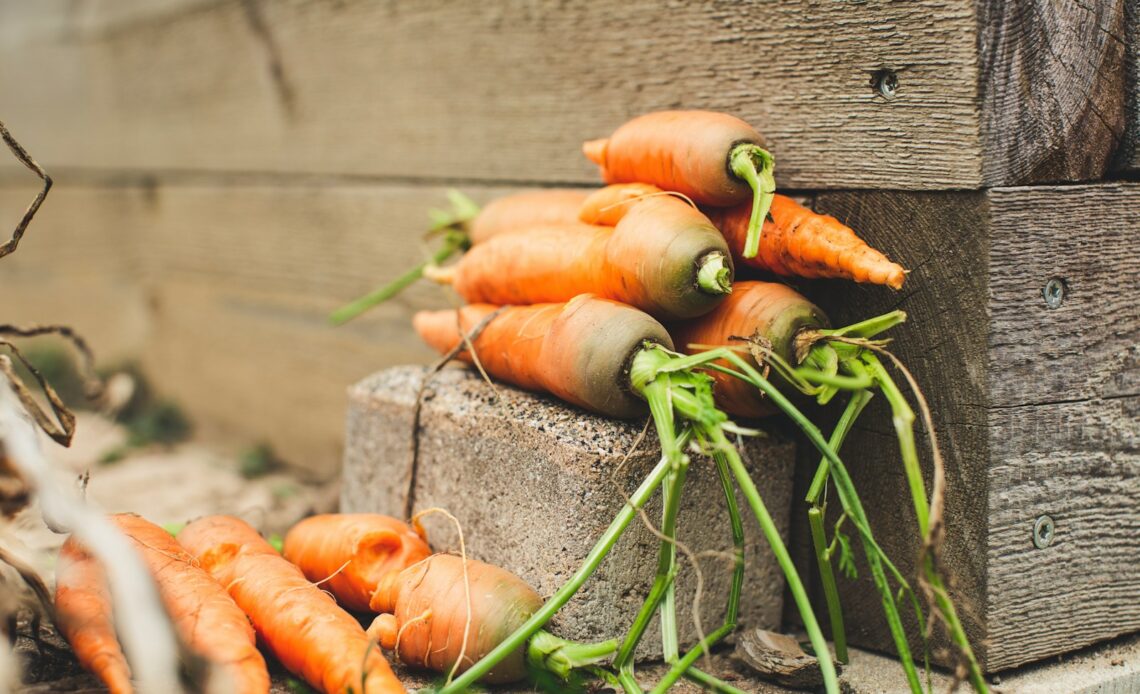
(440, 91)
(1128, 155)
(1036, 408)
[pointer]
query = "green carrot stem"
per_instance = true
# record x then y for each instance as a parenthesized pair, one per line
(869, 328)
(842, 382)
(683, 666)
(669, 638)
(712, 683)
(603, 546)
(560, 656)
(754, 165)
(903, 418)
(854, 407)
(453, 242)
(827, 579)
(714, 275)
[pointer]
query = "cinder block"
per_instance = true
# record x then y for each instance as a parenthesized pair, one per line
(535, 482)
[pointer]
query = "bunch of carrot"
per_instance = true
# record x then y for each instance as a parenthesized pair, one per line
(584, 294)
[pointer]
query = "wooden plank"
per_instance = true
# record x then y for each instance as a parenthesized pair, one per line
(1036, 407)
(443, 90)
(1128, 156)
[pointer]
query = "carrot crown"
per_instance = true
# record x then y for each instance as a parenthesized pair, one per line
(754, 164)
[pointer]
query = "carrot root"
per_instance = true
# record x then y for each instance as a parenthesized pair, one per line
(754, 164)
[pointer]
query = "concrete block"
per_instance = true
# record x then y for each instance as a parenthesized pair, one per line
(535, 482)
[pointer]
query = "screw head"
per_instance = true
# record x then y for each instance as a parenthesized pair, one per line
(1043, 532)
(885, 82)
(1054, 292)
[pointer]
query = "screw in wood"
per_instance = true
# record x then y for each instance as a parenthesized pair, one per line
(1043, 532)
(1054, 291)
(885, 82)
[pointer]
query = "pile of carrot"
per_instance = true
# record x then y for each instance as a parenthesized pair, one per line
(585, 295)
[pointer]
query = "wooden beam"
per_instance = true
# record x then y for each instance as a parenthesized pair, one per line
(1035, 406)
(931, 94)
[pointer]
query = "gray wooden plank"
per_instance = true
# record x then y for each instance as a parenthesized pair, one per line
(443, 90)
(1127, 157)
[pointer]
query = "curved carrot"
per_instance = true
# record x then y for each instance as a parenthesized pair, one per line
(426, 615)
(663, 257)
(349, 553)
(769, 313)
(205, 616)
(803, 243)
(83, 607)
(579, 351)
(523, 210)
(714, 158)
(302, 626)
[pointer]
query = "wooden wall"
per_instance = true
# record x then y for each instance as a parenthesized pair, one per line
(231, 170)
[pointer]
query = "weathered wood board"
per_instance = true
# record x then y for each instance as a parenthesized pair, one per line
(1128, 155)
(1037, 408)
(932, 94)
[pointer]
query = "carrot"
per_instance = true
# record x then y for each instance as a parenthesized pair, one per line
(523, 210)
(579, 351)
(301, 625)
(766, 312)
(800, 242)
(425, 615)
(207, 619)
(349, 554)
(796, 241)
(663, 257)
(83, 607)
(713, 158)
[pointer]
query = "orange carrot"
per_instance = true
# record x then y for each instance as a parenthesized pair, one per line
(803, 243)
(769, 313)
(206, 618)
(83, 606)
(350, 553)
(713, 158)
(579, 351)
(426, 606)
(796, 241)
(302, 626)
(523, 210)
(663, 257)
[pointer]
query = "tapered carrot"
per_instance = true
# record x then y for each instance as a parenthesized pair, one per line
(208, 620)
(663, 257)
(349, 553)
(770, 314)
(302, 626)
(796, 241)
(523, 210)
(713, 158)
(803, 243)
(83, 607)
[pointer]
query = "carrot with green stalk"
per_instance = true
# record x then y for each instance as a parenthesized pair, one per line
(466, 224)
(814, 359)
(663, 257)
(713, 158)
(614, 360)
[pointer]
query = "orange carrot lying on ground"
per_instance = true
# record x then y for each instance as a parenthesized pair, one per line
(350, 553)
(208, 620)
(427, 615)
(83, 607)
(714, 158)
(303, 627)
(796, 241)
(663, 257)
